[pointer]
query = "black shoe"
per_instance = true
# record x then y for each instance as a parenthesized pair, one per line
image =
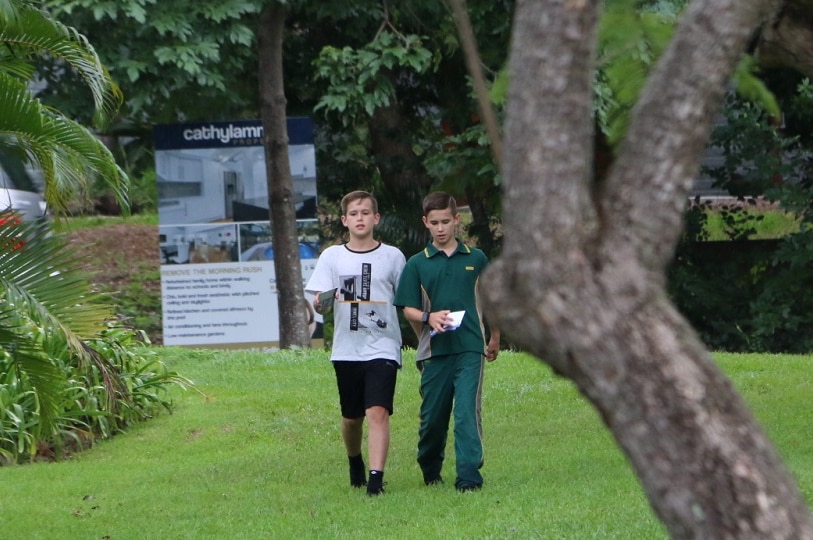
(358, 475)
(465, 488)
(434, 481)
(374, 491)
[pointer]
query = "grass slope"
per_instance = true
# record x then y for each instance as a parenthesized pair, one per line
(259, 455)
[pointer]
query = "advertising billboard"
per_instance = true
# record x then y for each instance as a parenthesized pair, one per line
(218, 281)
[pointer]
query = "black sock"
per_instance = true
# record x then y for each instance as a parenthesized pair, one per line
(357, 471)
(376, 482)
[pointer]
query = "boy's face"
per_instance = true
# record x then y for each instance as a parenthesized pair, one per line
(360, 218)
(442, 225)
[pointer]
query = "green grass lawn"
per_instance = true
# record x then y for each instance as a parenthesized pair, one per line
(258, 455)
(67, 224)
(773, 223)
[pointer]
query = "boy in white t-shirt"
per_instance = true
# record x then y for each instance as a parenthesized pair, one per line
(366, 352)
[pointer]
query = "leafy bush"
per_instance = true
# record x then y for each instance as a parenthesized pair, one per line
(125, 384)
(69, 372)
(752, 296)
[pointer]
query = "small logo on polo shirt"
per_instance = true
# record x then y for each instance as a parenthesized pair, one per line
(470, 268)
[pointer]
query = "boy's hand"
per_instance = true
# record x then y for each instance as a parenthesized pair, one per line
(493, 347)
(439, 320)
(317, 304)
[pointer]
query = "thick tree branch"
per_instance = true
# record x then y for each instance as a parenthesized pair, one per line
(550, 136)
(788, 40)
(581, 286)
(649, 184)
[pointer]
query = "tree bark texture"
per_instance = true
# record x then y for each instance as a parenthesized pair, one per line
(580, 282)
(293, 324)
(787, 39)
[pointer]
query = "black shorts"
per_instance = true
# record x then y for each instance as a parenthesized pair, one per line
(365, 384)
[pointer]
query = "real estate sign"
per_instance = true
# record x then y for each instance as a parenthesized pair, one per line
(217, 260)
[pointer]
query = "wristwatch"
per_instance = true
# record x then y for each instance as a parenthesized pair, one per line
(425, 318)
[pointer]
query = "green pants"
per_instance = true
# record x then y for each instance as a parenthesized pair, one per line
(452, 383)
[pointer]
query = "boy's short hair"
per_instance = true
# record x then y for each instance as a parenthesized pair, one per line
(358, 196)
(439, 200)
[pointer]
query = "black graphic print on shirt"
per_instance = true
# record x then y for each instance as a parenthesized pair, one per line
(356, 290)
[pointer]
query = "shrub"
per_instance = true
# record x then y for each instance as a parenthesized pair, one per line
(69, 372)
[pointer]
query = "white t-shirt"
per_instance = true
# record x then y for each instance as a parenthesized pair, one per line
(365, 322)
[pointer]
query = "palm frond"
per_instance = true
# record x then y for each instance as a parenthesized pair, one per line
(68, 154)
(16, 67)
(46, 307)
(8, 12)
(39, 278)
(37, 32)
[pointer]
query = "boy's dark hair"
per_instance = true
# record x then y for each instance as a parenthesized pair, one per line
(358, 196)
(439, 200)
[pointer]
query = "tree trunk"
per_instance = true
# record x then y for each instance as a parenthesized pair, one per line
(293, 323)
(787, 40)
(581, 284)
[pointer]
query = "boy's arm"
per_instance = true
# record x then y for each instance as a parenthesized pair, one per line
(414, 317)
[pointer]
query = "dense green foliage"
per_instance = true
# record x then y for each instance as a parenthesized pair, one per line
(759, 297)
(124, 384)
(161, 53)
(69, 374)
(755, 298)
(260, 456)
(359, 80)
(407, 122)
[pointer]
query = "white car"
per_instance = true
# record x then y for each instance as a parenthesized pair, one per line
(28, 204)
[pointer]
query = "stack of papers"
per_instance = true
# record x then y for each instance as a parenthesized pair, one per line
(326, 301)
(457, 319)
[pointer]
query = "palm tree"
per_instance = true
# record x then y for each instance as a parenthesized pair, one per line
(68, 154)
(45, 308)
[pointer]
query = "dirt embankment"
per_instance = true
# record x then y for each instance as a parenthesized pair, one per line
(122, 257)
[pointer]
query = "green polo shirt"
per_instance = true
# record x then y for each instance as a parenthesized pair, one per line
(433, 281)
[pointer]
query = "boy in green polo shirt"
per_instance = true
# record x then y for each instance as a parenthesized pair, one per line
(436, 282)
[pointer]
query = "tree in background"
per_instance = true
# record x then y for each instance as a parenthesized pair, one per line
(293, 328)
(174, 61)
(184, 60)
(397, 92)
(580, 281)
